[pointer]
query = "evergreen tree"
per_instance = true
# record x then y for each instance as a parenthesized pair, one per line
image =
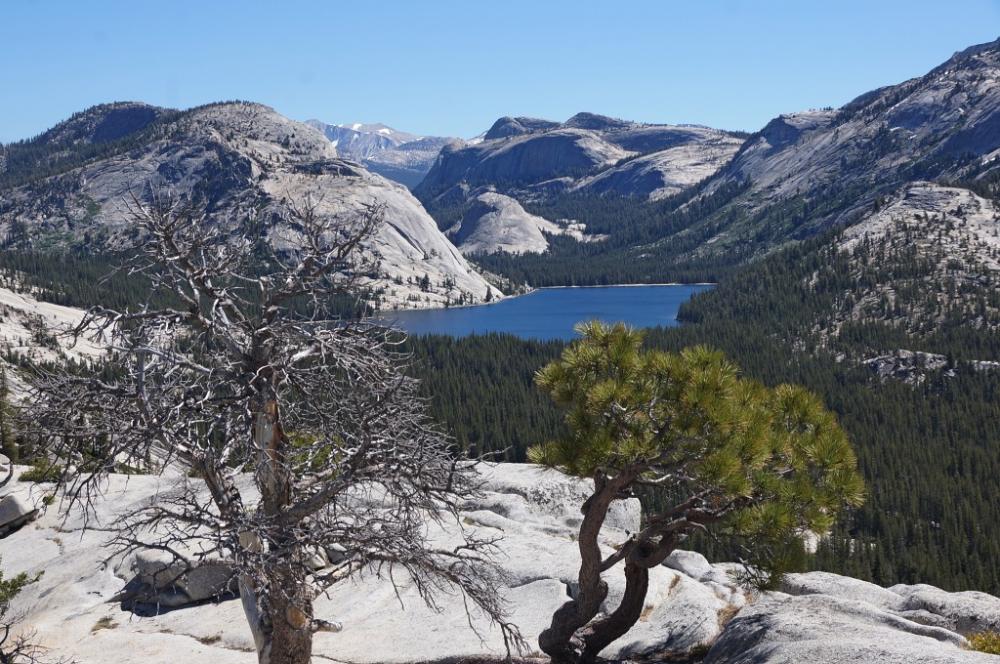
(760, 464)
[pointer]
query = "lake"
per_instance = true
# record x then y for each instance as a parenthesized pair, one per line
(551, 313)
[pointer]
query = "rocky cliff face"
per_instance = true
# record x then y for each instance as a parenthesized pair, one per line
(495, 222)
(945, 124)
(528, 156)
(232, 156)
(693, 155)
(694, 609)
(396, 155)
(520, 160)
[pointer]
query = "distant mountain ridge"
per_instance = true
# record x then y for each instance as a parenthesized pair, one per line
(588, 153)
(360, 140)
(531, 160)
(397, 155)
(910, 171)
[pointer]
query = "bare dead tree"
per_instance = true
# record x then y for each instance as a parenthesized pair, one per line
(251, 370)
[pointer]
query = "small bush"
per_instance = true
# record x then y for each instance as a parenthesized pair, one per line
(988, 642)
(107, 622)
(41, 471)
(11, 587)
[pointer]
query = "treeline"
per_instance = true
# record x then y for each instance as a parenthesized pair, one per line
(78, 278)
(930, 454)
(812, 288)
(646, 242)
(47, 155)
(73, 278)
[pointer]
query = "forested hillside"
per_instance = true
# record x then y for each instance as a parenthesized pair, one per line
(929, 453)
(78, 185)
(857, 252)
(799, 177)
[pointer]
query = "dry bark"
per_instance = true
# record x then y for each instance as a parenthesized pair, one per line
(559, 639)
(252, 369)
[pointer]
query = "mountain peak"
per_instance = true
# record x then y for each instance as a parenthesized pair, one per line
(967, 58)
(508, 126)
(103, 123)
(976, 49)
(596, 122)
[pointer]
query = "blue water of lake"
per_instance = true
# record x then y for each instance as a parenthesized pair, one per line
(551, 313)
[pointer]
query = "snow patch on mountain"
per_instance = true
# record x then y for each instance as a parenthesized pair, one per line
(397, 155)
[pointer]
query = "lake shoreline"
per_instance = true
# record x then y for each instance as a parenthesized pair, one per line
(535, 289)
(669, 283)
(553, 312)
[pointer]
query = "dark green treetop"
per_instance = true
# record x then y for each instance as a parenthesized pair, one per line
(764, 464)
(689, 421)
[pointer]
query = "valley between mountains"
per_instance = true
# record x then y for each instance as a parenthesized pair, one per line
(854, 251)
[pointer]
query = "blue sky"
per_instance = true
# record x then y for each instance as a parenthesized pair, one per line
(452, 68)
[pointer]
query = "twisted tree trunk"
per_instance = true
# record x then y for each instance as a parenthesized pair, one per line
(280, 615)
(645, 555)
(602, 633)
(557, 641)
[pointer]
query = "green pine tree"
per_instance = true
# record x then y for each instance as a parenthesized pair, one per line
(760, 464)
